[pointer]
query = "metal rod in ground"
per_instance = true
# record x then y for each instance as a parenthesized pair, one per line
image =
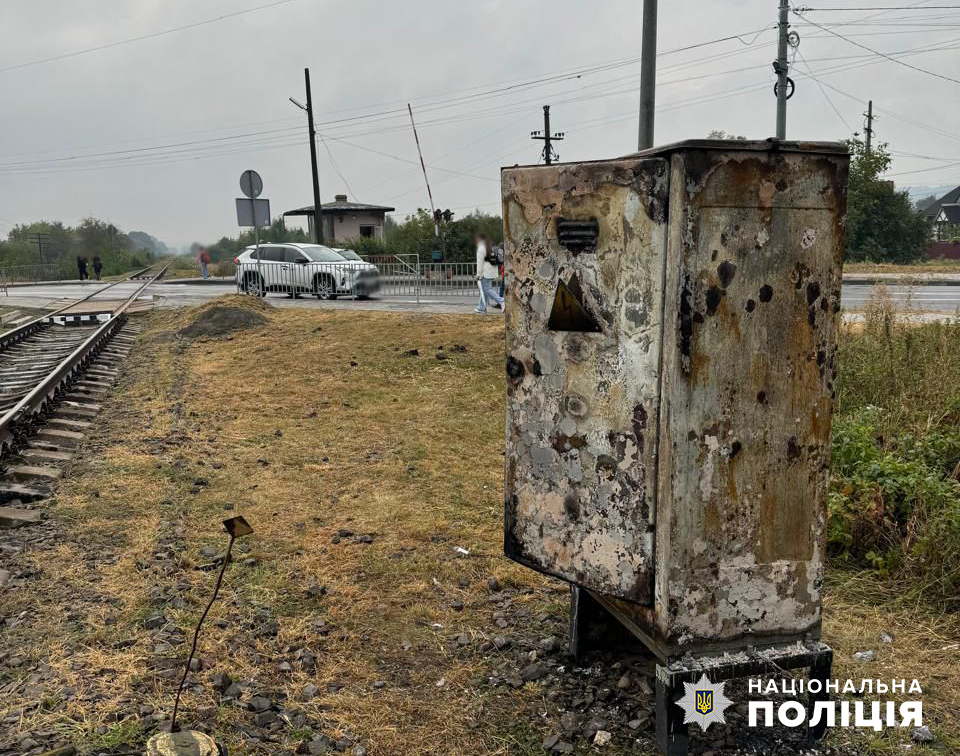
(648, 75)
(317, 207)
(782, 68)
(196, 635)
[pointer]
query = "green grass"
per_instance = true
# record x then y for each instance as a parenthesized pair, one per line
(126, 733)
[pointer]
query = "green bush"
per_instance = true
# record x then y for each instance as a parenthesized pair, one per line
(894, 502)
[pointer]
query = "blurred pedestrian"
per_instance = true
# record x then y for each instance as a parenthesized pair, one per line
(203, 257)
(498, 253)
(82, 267)
(97, 266)
(486, 275)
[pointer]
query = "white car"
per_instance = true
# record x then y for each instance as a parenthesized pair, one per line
(304, 268)
(347, 254)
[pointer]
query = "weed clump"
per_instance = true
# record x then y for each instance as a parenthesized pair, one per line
(895, 496)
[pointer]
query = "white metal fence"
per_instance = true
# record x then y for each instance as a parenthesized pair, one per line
(384, 276)
(30, 273)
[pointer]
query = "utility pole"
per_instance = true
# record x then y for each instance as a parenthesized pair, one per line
(781, 67)
(868, 129)
(648, 75)
(317, 208)
(549, 154)
(40, 238)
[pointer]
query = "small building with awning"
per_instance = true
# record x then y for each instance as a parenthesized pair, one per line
(343, 220)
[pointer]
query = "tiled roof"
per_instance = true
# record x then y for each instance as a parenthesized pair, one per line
(342, 207)
(950, 198)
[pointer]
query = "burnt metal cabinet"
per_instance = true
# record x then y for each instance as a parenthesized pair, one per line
(670, 365)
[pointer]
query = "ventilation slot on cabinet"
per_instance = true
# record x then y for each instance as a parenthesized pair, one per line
(578, 235)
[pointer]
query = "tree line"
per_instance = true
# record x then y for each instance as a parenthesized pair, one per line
(61, 245)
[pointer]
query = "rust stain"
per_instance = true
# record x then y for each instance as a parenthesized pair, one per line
(765, 194)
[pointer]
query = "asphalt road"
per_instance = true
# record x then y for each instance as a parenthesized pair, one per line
(942, 299)
(929, 298)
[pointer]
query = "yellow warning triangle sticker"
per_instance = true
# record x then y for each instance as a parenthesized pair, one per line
(568, 313)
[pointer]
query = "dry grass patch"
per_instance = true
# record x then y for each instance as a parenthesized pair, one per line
(941, 265)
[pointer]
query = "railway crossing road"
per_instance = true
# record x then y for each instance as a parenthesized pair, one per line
(932, 298)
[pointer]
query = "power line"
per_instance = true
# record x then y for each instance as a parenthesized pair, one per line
(406, 160)
(114, 153)
(924, 170)
(923, 157)
(142, 37)
(212, 142)
(443, 104)
(336, 167)
(807, 9)
(898, 116)
(274, 141)
(484, 95)
(225, 145)
(884, 55)
(567, 76)
(823, 91)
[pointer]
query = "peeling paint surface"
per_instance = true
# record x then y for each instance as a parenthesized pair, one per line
(583, 404)
(748, 365)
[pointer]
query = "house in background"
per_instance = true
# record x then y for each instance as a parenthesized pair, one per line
(941, 215)
(947, 224)
(343, 220)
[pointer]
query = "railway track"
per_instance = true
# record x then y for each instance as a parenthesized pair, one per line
(144, 274)
(52, 379)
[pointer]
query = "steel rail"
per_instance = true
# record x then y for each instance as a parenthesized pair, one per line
(35, 401)
(20, 332)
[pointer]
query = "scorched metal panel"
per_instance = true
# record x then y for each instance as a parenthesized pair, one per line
(585, 252)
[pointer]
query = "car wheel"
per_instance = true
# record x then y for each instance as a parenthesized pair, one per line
(324, 286)
(253, 284)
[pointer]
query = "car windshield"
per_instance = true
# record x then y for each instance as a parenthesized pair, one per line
(321, 254)
(349, 254)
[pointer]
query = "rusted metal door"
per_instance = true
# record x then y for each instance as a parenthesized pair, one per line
(756, 241)
(586, 248)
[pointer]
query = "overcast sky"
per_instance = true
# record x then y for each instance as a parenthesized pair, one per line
(183, 114)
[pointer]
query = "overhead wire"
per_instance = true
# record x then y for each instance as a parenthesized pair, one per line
(525, 82)
(824, 92)
(808, 9)
(884, 55)
(336, 167)
(143, 37)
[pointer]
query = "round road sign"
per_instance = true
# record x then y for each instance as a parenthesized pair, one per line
(251, 184)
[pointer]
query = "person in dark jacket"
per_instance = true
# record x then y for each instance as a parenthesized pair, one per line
(82, 268)
(97, 266)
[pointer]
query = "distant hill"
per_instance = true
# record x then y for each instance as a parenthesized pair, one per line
(919, 192)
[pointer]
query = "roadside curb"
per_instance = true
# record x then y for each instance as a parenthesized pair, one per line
(201, 281)
(900, 279)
